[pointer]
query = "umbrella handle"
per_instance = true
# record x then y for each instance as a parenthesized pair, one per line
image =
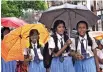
(20, 36)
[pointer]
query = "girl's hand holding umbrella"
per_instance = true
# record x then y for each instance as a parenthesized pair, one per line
(78, 56)
(27, 59)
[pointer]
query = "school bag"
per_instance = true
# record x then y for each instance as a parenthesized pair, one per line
(47, 57)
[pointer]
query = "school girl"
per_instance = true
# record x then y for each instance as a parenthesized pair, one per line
(85, 46)
(59, 48)
(33, 54)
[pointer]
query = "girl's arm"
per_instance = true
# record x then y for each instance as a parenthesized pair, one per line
(60, 51)
(76, 55)
(72, 53)
(27, 58)
(96, 60)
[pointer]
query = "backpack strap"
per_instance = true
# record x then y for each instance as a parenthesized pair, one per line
(56, 49)
(76, 43)
(65, 39)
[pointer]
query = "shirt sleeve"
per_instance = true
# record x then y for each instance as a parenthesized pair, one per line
(100, 53)
(94, 46)
(51, 43)
(72, 44)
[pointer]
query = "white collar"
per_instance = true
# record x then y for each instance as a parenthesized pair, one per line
(59, 36)
(83, 38)
(34, 44)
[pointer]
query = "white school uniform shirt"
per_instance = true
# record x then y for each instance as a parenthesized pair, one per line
(51, 43)
(32, 52)
(85, 41)
(100, 55)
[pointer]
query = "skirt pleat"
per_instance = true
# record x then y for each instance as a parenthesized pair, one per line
(36, 67)
(65, 66)
(86, 65)
(8, 66)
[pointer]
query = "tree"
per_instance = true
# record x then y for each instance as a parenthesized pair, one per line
(35, 5)
(8, 9)
(15, 8)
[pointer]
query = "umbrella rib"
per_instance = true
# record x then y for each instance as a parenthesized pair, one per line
(12, 46)
(28, 29)
(77, 12)
(15, 37)
(12, 39)
(14, 23)
(14, 34)
(58, 16)
(69, 22)
(21, 31)
(80, 15)
(14, 43)
(20, 43)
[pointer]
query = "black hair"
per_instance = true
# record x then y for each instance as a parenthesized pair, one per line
(32, 33)
(56, 23)
(83, 22)
(2, 31)
(90, 43)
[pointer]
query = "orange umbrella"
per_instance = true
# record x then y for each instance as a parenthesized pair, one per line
(14, 43)
(99, 37)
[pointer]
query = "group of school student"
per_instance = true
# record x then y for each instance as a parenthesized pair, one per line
(60, 53)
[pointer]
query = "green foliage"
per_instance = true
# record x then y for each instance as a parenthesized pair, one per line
(10, 9)
(35, 5)
(15, 8)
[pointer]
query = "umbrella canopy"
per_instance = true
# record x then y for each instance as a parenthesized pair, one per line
(70, 14)
(99, 37)
(95, 33)
(12, 22)
(14, 42)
